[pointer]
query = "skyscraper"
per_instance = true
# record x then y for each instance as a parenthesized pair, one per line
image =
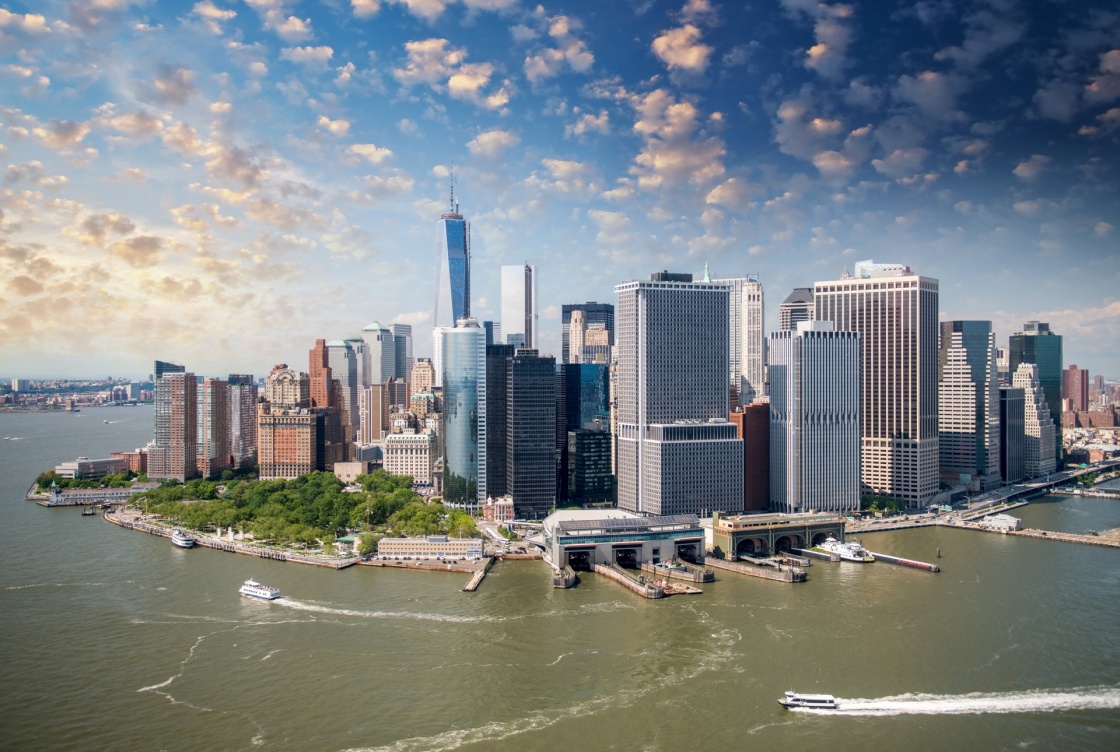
(582, 403)
(814, 419)
(519, 305)
(1037, 344)
(174, 453)
(594, 314)
(402, 345)
(1075, 388)
(968, 399)
(1012, 452)
(497, 425)
(243, 395)
(382, 352)
(531, 433)
(895, 311)
(1038, 422)
(797, 307)
(347, 367)
(464, 410)
(213, 427)
(677, 452)
(453, 267)
(745, 337)
(161, 367)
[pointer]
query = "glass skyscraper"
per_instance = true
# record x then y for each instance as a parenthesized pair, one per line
(519, 305)
(968, 405)
(1037, 344)
(453, 265)
(464, 413)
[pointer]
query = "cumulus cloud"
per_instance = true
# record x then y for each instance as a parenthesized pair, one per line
(141, 251)
(681, 49)
(135, 124)
(1031, 169)
(568, 49)
(802, 133)
(733, 193)
(334, 127)
(308, 55)
(677, 149)
(444, 68)
(32, 173)
(365, 8)
(1102, 229)
(566, 178)
(95, 228)
(933, 93)
(211, 17)
(61, 135)
(384, 186)
(370, 152)
(987, 31)
(589, 123)
(832, 32)
(492, 144)
(27, 23)
(901, 163)
(1105, 87)
(1057, 100)
(172, 86)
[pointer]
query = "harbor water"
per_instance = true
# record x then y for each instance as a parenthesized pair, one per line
(112, 639)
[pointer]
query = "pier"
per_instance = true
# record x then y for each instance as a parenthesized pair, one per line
(679, 571)
(905, 562)
(788, 574)
(811, 554)
(477, 578)
(641, 587)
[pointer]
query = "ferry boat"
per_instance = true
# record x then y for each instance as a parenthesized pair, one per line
(848, 551)
(254, 589)
(181, 539)
(796, 700)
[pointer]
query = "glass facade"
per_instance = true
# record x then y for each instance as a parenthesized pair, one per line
(1037, 344)
(464, 405)
(453, 282)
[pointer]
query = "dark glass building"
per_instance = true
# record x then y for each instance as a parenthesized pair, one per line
(1037, 344)
(583, 399)
(497, 365)
(530, 434)
(1012, 442)
(589, 477)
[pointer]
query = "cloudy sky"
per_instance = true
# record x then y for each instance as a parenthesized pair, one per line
(218, 184)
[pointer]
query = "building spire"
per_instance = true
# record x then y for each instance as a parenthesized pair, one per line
(707, 277)
(454, 205)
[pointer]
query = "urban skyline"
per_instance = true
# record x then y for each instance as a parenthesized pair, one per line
(282, 161)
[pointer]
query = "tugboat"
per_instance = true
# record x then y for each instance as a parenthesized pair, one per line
(254, 589)
(181, 539)
(795, 700)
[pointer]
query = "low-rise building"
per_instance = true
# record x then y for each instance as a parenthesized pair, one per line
(137, 460)
(410, 453)
(433, 546)
(1003, 523)
(348, 472)
(582, 538)
(84, 468)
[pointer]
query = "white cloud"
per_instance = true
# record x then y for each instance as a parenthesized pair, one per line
(334, 127)
(832, 32)
(493, 143)
(548, 62)
(934, 94)
(1105, 87)
(308, 55)
(734, 193)
(1102, 229)
(988, 31)
(1030, 169)
(370, 152)
(433, 62)
(211, 16)
(677, 148)
(901, 163)
(365, 8)
(172, 86)
(681, 49)
(588, 123)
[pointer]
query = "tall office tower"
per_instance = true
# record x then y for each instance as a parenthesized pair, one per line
(752, 422)
(376, 404)
(214, 444)
(162, 367)
(895, 311)
(677, 452)
(797, 307)
(453, 268)
(582, 404)
(596, 346)
(319, 374)
(382, 352)
(1075, 388)
(286, 388)
(497, 389)
(174, 453)
(243, 395)
(1037, 344)
(589, 479)
(1003, 366)
(576, 328)
(1012, 449)
(745, 337)
(531, 433)
(519, 305)
(814, 419)
(423, 377)
(346, 366)
(402, 347)
(601, 314)
(1038, 422)
(493, 332)
(464, 414)
(968, 399)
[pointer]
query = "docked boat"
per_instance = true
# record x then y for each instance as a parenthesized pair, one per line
(254, 589)
(848, 551)
(797, 700)
(181, 539)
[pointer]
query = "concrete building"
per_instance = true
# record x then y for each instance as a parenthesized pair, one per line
(382, 347)
(676, 451)
(968, 412)
(583, 538)
(84, 468)
(464, 416)
(243, 397)
(288, 441)
(174, 451)
(594, 314)
(402, 346)
(1038, 345)
(422, 378)
(797, 307)
(136, 460)
(752, 422)
(519, 305)
(348, 472)
(1075, 388)
(410, 453)
(814, 419)
(22, 386)
(346, 363)
(596, 347)
(531, 433)
(732, 536)
(896, 313)
(1038, 425)
(286, 388)
(746, 338)
(431, 547)
(214, 447)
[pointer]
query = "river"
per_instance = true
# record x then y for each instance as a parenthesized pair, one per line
(112, 639)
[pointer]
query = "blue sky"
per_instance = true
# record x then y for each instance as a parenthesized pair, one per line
(221, 183)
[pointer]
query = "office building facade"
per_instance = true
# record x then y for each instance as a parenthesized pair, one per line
(1038, 345)
(1038, 423)
(594, 314)
(530, 433)
(1012, 449)
(497, 417)
(214, 444)
(519, 305)
(746, 338)
(402, 347)
(243, 396)
(464, 414)
(174, 452)
(453, 268)
(797, 307)
(968, 405)
(1075, 388)
(895, 311)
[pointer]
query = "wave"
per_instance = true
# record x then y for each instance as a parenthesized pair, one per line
(320, 609)
(1032, 701)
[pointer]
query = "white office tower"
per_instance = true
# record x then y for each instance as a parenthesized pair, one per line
(814, 419)
(402, 342)
(576, 330)
(968, 405)
(677, 451)
(437, 353)
(1038, 426)
(895, 311)
(519, 305)
(382, 352)
(746, 337)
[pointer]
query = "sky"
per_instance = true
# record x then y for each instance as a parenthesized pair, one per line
(219, 184)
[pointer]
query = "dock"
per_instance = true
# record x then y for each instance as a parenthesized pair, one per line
(811, 554)
(476, 579)
(564, 578)
(682, 571)
(641, 587)
(905, 562)
(787, 574)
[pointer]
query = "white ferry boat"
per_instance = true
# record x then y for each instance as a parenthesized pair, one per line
(848, 551)
(181, 539)
(795, 700)
(254, 589)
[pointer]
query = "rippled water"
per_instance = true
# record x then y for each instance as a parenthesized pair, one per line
(112, 639)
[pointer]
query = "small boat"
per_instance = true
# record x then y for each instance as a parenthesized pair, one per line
(848, 551)
(796, 700)
(181, 539)
(254, 589)
(106, 422)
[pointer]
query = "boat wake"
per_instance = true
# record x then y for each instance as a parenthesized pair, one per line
(320, 609)
(1033, 701)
